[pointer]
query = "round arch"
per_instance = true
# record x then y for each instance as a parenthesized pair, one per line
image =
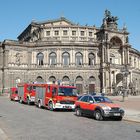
(40, 57)
(39, 79)
(52, 79)
(66, 58)
(92, 81)
(79, 58)
(116, 41)
(91, 59)
(66, 80)
(79, 84)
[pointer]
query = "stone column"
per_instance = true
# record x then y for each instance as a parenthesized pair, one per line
(108, 54)
(128, 56)
(123, 56)
(86, 57)
(29, 58)
(103, 81)
(6, 53)
(73, 55)
(103, 58)
(59, 57)
(96, 57)
(47, 57)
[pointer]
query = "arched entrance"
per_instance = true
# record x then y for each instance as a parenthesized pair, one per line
(119, 83)
(39, 79)
(52, 79)
(92, 84)
(66, 80)
(79, 84)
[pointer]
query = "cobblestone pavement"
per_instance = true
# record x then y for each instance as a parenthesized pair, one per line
(131, 105)
(65, 125)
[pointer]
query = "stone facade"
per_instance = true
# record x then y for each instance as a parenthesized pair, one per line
(93, 59)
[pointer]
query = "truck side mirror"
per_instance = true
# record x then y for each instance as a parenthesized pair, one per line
(91, 102)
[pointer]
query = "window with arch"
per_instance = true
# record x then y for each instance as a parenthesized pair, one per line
(79, 59)
(66, 80)
(116, 41)
(112, 58)
(91, 59)
(135, 63)
(66, 58)
(52, 58)
(130, 61)
(40, 58)
(52, 79)
(39, 79)
(79, 84)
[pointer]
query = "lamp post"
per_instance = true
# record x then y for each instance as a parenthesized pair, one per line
(125, 73)
(114, 88)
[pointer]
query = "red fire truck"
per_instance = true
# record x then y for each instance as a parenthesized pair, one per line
(26, 93)
(55, 96)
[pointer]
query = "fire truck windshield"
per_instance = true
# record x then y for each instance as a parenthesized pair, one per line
(66, 91)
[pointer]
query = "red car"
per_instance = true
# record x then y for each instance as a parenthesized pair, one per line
(99, 107)
(14, 94)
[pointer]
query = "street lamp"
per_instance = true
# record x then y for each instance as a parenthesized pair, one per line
(125, 73)
(114, 88)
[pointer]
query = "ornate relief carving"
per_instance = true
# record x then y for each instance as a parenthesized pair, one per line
(18, 58)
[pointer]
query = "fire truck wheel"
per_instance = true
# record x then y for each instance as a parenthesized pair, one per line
(50, 106)
(20, 100)
(28, 101)
(39, 104)
(78, 112)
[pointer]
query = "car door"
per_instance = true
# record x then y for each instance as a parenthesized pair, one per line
(90, 105)
(83, 104)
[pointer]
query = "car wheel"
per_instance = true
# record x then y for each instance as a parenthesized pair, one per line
(98, 115)
(20, 100)
(78, 112)
(50, 106)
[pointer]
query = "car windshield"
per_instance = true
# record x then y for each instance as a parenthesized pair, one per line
(99, 99)
(66, 91)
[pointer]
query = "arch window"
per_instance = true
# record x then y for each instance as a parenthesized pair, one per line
(79, 59)
(112, 58)
(130, 61)
(116, 41)
(91, 59)
(92, 81)
(66, 80)
(66, 58)
(79, 84)
(39, 79)
(52, 58)
(135, 63)
(40, 58)
(52, 79)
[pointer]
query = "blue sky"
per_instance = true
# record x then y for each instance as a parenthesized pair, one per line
(16, 15)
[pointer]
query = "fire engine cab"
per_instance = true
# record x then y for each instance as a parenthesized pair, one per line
(13, 94)
(26, 93)
(55, 96)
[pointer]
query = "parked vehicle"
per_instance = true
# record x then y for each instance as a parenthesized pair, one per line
(26, 93)
(14, 94)
(55, 96)
(99, 107)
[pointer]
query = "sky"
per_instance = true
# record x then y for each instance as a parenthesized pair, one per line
(16, 15)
